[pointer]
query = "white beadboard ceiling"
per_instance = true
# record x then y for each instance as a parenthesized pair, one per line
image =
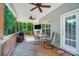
(22, 11)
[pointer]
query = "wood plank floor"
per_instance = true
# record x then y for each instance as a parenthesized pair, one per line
(28, 48)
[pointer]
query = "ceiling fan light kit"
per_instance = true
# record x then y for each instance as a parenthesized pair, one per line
(32, 18)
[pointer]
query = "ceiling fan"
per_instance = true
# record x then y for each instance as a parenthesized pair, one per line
(32, 18)
(39, 5)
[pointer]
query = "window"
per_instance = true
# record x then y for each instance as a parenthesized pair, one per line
(23, 26)
(9, 21)
(46, 29)
(29, 27)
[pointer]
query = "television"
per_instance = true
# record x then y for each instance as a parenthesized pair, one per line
(37, 26)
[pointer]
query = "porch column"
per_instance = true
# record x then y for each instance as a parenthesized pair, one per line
(1, 20)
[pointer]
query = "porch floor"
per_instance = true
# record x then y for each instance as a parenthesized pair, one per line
(28, 48)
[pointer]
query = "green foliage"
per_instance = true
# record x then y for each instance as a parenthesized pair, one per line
(17, 26)
(25, 26)
(20, 26)
(9, 21)
(29, 27)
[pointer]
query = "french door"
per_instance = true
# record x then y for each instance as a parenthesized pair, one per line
(70, 32)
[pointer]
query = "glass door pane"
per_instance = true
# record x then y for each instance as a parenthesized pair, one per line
(70, 31)
(48, 32)
(43, 31)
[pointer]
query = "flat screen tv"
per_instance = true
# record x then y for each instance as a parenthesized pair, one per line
(38, 26)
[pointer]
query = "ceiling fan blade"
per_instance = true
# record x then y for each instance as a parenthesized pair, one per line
(33, 8)
(46, 6)
(33, 3)
(40, 9)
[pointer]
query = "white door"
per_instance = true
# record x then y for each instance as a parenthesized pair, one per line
(70, 32)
